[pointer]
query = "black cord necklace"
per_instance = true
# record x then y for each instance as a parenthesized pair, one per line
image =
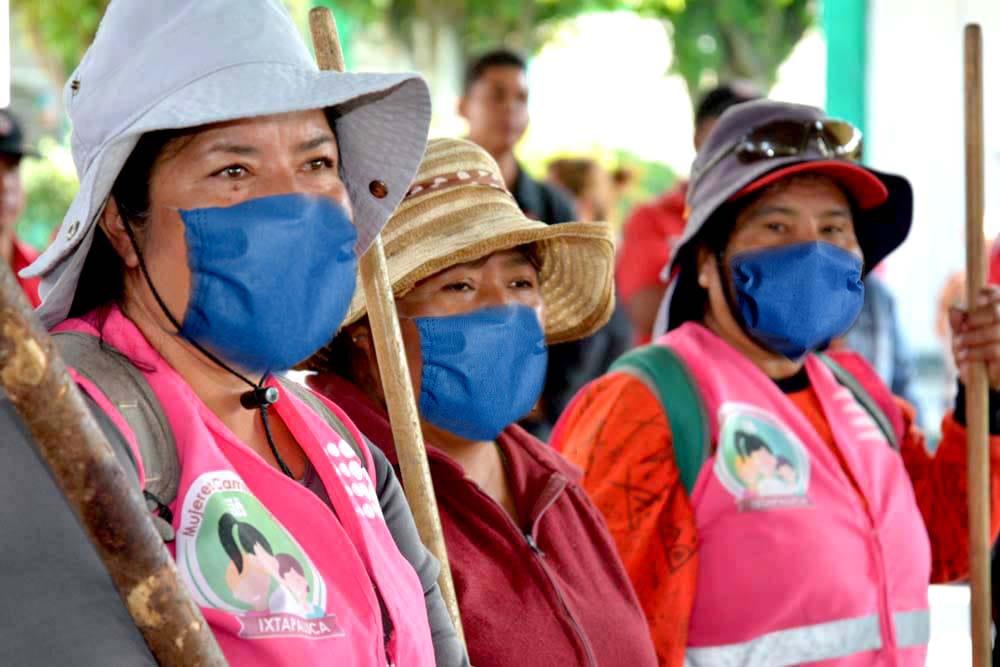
(258, 397)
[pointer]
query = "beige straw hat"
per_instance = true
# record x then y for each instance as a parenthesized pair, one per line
(458, 211)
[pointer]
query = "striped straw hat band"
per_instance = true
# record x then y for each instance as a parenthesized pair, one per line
(445, 181)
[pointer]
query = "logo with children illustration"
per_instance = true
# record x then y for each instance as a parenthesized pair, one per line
(760, 461)
(236, 557)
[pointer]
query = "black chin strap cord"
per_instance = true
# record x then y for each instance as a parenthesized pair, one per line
(258, 397)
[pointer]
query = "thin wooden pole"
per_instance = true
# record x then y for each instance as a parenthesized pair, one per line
(106, 502)
(976, 388)
(392, 364)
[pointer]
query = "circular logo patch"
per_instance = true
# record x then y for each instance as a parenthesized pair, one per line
(760, 458)
(236, 557)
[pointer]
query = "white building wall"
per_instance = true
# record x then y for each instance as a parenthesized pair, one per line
(915, 127)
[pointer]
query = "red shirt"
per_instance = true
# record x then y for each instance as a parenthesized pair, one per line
(550, 592)
(22, 256)
(647, 240)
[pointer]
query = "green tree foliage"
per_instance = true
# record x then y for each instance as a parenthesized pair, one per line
(722, 40)
(478, 24)
(59, 30)
(50, 183)
(713, 40)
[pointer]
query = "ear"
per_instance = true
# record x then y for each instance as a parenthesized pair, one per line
(113, 226)
(707, 267)
(463, 107)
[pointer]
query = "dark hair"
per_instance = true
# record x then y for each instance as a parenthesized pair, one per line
(715, 101)
(102, 279)
(248, 535)
(748, 443)
(690, 300)
(574, 173)
(475, 70)
(287, 563)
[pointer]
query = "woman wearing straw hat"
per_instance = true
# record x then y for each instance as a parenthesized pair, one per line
(219, 170)
(481, 290)
(785, 497)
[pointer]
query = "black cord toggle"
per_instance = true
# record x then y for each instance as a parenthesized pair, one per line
(259, 397)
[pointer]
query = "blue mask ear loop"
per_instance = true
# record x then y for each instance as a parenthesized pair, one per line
(259, 396)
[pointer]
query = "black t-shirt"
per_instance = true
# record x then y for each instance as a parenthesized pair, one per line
(542, 201)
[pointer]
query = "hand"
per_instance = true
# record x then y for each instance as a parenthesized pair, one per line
(976, 335)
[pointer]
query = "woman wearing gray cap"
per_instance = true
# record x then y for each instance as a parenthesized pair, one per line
(773, 504)
(226, 189)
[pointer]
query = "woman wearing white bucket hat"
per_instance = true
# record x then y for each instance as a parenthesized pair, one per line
(218, 172)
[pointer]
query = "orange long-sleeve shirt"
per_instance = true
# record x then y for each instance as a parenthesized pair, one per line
(617, 432)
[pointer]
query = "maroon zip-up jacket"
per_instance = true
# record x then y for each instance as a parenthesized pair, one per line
(549, 593)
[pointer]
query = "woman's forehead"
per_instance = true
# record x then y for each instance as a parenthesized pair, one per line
(805, 188)
(294, 128)
(511, 257)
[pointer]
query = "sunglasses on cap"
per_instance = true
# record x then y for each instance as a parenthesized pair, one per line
(788, 138)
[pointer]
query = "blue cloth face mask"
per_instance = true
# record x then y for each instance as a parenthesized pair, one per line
(271, 278)
(482, 371)
(795, 299)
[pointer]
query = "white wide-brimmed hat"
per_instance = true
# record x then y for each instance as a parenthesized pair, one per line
(184, 63)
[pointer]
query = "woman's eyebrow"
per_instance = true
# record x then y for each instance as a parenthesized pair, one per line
(314, 143)
(771, 209)
(235, 149)
(518, 259)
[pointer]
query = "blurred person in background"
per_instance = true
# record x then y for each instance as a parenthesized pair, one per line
(588, 183)
(495, 104)
(15, 253)
(651, 228)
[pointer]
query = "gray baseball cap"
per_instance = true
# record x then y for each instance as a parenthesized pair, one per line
(185, 63)
(883, 202)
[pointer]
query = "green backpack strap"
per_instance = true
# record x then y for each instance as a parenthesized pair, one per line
(862, 396)
(663, 373)
(314, 403)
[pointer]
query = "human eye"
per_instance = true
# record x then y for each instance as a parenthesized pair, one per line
(522, 283)
(458, 286)
(232, 172)
(320, 164)
(776, 226)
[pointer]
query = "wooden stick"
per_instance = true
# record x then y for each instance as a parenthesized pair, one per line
(976, 396)
(392, 364)
(106, 502)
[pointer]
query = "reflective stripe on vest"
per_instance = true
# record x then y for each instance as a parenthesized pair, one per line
(812, 643)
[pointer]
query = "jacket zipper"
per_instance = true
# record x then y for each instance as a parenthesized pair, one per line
(539, 557)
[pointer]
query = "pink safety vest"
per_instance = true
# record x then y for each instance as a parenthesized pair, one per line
(281, 579)
(792, 567)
